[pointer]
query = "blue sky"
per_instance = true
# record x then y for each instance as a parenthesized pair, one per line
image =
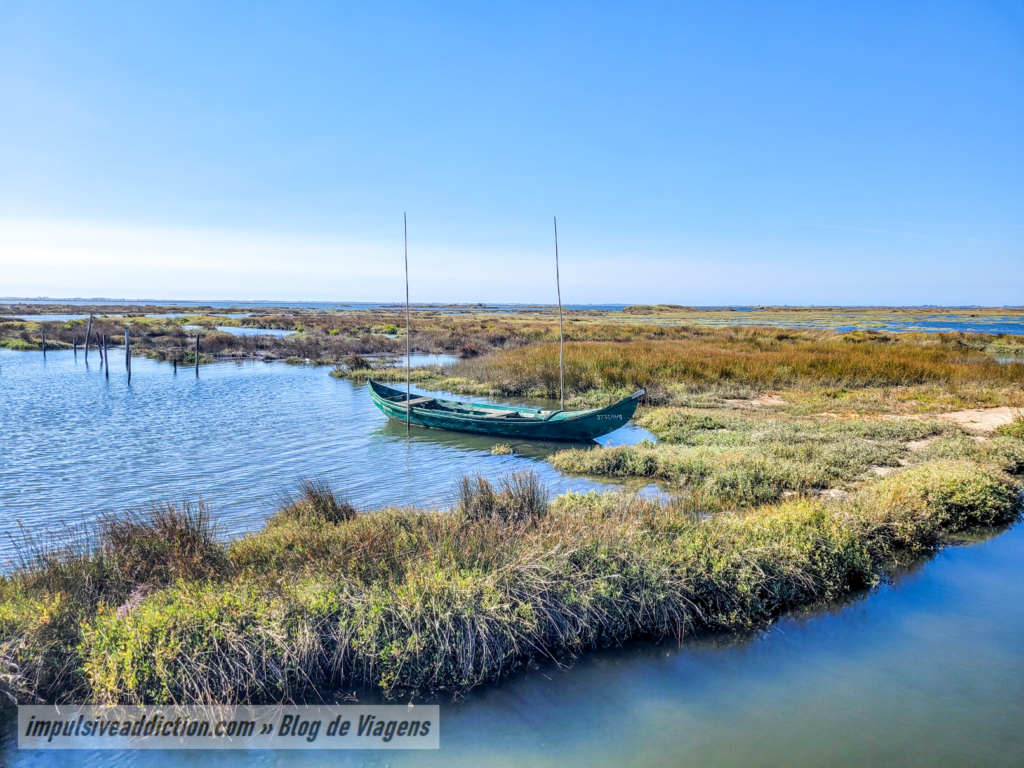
(712, 153)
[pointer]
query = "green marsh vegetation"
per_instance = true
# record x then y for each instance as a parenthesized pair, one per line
(154, 608)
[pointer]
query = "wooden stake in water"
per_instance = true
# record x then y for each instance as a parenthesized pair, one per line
(44, 343)
(74, 343)
(408, 333)
(197, 355)
(87, 332)
(561, 339)
(106, 358)
(128, 353)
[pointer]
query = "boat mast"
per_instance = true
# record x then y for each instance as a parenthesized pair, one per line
(408, 332)
(561, 339)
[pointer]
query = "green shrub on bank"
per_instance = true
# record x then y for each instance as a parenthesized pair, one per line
(1014, 428)
(916, 506)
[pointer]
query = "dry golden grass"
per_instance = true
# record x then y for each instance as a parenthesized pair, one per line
(762, 360)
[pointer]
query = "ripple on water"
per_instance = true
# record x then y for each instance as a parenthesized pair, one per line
(75, 443)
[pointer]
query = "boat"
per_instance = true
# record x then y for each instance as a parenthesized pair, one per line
(503, 420)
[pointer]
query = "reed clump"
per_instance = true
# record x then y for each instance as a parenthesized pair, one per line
(316, 502)
(412, 601)
(521, 498)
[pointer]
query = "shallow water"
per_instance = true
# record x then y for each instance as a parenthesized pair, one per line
(74, 443)
(238, 331)
(53, 318)
(926, 671)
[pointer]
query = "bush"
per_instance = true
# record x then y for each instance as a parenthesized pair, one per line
(357, 363)
(915, 506)
(1014, 428)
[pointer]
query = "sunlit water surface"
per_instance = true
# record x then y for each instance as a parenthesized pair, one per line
(75, 442)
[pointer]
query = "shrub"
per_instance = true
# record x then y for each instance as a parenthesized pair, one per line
(1014, 428)
(357, 363)
(914, 506)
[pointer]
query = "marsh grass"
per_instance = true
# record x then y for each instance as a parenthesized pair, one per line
(315, 502)
(754, 456)
(415, 601)
(58, 586)
(759, 360)
(521, 498)
(608, 353)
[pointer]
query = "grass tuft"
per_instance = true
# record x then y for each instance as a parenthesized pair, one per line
(315, 502)
(1015, 428)
(521, 498)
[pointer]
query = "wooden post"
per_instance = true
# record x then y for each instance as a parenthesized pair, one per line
(88, 331)
(106, 358)
(408, 333)
(128, 353)
(561, 339)
(197, 355)
(175, 363)
(44, 343)
(74, 343)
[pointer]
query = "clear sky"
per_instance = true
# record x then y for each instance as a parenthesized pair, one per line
(694, 153)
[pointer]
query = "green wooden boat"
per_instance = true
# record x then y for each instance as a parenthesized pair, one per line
(504, 420)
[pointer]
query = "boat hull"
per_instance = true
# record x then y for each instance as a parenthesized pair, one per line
(517, 423)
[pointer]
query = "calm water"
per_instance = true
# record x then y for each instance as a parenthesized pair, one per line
(254, 331)
(52, 318)
(74, 443)
(238, 331)
(928, 671)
